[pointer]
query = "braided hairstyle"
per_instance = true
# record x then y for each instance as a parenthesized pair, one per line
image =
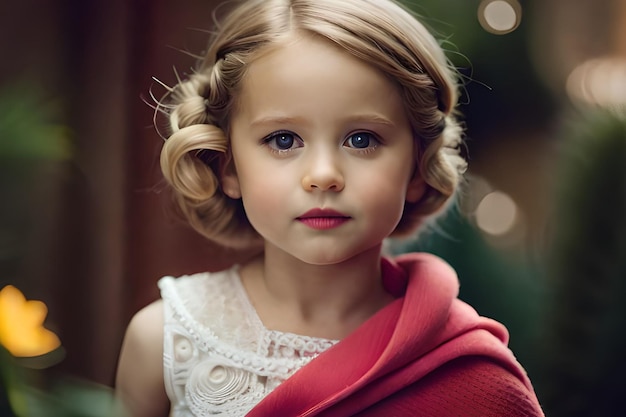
(380, 32)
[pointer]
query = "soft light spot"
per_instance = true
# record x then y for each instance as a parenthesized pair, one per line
(496, 214)
(599, 81)
(499, 16)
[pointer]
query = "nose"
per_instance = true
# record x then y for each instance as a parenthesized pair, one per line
(323, 173)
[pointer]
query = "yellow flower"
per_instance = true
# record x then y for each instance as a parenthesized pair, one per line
(21, 325)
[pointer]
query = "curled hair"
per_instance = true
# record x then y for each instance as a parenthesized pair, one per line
(379, 32)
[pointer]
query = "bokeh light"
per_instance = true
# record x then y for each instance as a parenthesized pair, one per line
(496, 214)
(599, 81)
(499, 16)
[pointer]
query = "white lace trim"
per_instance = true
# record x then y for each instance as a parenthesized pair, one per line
(219, 359)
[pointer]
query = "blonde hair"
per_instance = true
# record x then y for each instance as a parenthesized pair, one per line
(380, 32)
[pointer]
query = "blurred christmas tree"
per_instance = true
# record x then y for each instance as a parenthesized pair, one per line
(584, 342)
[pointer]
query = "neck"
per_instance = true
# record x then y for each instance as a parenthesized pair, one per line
(316, 300)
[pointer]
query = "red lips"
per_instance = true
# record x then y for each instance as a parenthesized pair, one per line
(323, 219)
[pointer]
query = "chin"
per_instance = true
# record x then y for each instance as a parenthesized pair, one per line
(333, 258)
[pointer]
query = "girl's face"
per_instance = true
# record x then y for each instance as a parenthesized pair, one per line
(323, 152)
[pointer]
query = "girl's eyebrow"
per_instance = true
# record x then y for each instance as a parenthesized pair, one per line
(277, 120)
(369, 118)
(373, 118)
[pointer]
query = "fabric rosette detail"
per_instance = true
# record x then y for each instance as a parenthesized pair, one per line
(183, 349)
(212, 386)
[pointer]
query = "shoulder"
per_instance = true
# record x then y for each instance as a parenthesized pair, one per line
(139, 381)
(146, 326)
(470, 386)
(481, 385)
(196, 285)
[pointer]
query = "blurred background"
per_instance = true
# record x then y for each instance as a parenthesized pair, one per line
(538, 238)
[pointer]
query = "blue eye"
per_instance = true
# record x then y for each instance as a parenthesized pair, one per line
(282, 141)
(361, 140)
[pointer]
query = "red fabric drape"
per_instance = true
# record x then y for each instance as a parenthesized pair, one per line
(419, 332)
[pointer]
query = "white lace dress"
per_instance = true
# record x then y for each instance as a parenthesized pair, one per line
(218, 357)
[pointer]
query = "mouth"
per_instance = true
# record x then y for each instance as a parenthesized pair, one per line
(323, 219)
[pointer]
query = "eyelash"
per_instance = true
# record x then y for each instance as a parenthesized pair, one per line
(270, 139)
(371, 137)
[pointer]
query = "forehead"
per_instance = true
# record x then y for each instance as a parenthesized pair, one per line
(306, 75)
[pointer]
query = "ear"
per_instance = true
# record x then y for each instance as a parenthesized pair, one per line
(416, 188)
(230, 186)
(229, 179)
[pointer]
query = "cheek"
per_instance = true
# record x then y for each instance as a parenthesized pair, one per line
(385, 194)
(261, 195)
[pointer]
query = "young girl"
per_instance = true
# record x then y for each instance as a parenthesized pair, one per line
(312, 131)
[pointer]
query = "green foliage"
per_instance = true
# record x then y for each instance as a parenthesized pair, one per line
(26, 392)
(9, 382)
(584, 342)
(27, 126)
(68, 398)
(32, 136)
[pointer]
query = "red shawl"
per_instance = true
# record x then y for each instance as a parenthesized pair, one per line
(425, 354)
